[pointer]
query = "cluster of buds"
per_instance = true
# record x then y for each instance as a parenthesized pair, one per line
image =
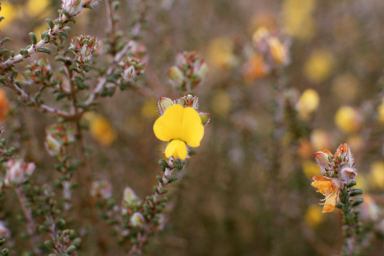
(189, 72)
(338, 177)
(130, 200)
(133, 64)
(18, 172)
(40, 72)
(58, 136)
(74, 7)
(185, 101)
(340, 165)
(84, 47)
(271, 53)
(101, 190)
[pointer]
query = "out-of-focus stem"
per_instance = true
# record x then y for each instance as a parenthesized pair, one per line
(31, 226)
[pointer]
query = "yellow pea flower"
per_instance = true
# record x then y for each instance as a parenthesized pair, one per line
(377, 174)
(348, 119)
(8, 11)
(319, 66)
(101, 130)
(181, 126)
(36, 8)
(313, 217)
(308, 103)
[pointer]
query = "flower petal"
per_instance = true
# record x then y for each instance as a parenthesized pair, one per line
(330, 201)
(177, 149)
(192, 129)
(168, 126)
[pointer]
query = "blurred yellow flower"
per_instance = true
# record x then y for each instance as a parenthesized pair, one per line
(278, 50)
(181, 126)
(221, 103)
(8, 11)
(320, 139)
(345, 87)
(319, 66)
(361, 182)
(100, 129)
(313, 216)
(35, 8)
(355, 142)
(308, 102)
(348, 119)
(220, 52)
(380, 112)
(149, 109)
(310, 168)
(376, 175)
(297, 18)
(3, 105)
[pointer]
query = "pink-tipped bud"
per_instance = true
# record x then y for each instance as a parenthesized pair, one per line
(322, 160)
(72, 7)
(129, 196)
(205, 118)
(163, 104)
(176, 76)
(347, 174)
(137, 219)
(18, 172)
(101, 190)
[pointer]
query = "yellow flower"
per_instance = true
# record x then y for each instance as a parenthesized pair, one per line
(377, 174)
(328, 187)
(346, 87)
(8, 11)
(313, 217)
(278, 50)
(101, 129)
(348, 119)
(221, 103)
(308, 102)
(297, 18)
(35, 8)
(320, 139)
(310, 168)
(319, 66)
(220, 52)
(149, 109)
(181, 126)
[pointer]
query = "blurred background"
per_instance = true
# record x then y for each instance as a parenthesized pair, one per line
(248, 187)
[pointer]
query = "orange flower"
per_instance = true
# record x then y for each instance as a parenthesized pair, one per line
(255, 68)
(328, 187)
(3, 105)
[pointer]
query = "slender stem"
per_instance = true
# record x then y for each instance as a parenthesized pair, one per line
(36, 47)
(31, 226)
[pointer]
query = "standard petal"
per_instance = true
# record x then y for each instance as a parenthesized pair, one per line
(177, 149)
(168, 126)
(192, 129)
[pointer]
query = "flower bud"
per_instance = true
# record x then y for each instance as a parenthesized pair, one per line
(137, 219)
(83, 47)
(129, 74)
(101, 190)
(129, 196)
(72, 7)
(18, 172)
(163, 104)
(176, 76)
